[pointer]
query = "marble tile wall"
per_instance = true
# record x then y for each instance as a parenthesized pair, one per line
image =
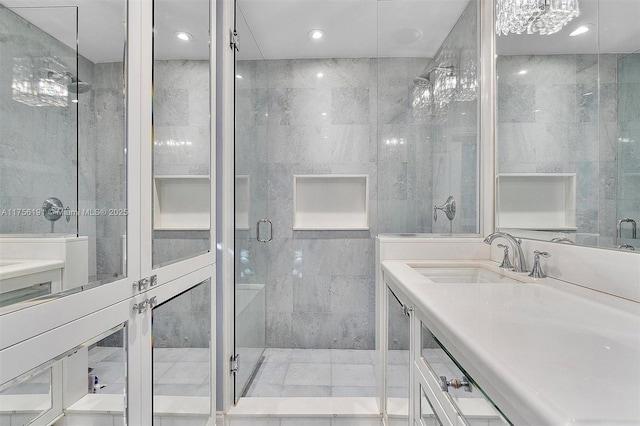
(555, 118)
(454, 134)
(181, 143)
(307, 117)
(107, 124)
(54, 151)
(38, 149)
(436, 155)
(322, 117)
(185, 320)
(341, 116)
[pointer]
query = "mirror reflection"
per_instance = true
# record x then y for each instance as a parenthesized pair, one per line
(182, 358)
(62, 164)
(83, 386)
(568, 127)
(182, 130)
(25, 399)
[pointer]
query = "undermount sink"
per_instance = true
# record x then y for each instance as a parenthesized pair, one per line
(464, 275)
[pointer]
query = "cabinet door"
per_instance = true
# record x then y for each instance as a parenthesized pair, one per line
(455, 390)
(397, 368)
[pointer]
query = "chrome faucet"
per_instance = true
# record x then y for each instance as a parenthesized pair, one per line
(536, 271)
(519, 264)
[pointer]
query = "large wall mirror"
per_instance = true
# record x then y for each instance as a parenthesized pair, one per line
(63, 151)
(568, 124)
(182, 130)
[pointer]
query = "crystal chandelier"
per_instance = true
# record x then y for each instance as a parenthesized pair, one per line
(422, 99)
(534, 16)
(35, 83)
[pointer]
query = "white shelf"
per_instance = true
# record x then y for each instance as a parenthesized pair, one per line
(181, 202)
(243, 201)
(537, 201)
(331, 202)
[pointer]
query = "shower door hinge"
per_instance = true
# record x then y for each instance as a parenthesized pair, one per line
(234, 364)
(233, 37)
(407, 310)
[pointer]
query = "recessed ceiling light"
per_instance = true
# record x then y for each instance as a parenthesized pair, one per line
(316, 34)
(320, 75)
(238, 76)
(580, 30)
(407, 35)
(522, 72)
(183, 35)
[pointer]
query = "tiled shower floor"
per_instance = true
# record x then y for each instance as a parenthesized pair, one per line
(314, 372)
(282, 373)
(176, 371)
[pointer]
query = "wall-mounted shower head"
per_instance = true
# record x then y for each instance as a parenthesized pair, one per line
(78, 86)
(74, 85)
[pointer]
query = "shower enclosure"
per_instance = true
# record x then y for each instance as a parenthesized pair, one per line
(336, 143)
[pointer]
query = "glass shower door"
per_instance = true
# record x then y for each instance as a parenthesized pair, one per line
(253, 230)
(628, 208)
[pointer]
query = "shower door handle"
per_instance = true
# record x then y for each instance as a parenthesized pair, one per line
(264, 240)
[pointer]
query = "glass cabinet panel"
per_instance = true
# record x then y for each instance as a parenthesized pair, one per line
(181, 130)
(459, 389)
(397, 368)
(428, 417)
(26, 398)
(182, 357)
(62, 166)
(95, 380)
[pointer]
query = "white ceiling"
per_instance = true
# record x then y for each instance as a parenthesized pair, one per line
(354, 28)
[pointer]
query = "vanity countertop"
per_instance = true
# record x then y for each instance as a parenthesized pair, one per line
(12, 268)
(547, 352)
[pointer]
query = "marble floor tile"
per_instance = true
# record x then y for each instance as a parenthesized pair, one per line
(169, 354)
(399, 357)
(354, 391)
(263, 390)
(352, 375)
(318, 356)
(300, 391)
(314, 372)
(277, 355)
(99, 353)
(185, 373)
(118, 355)
(181, 390)
(350, 356)
(196, 355)
(308, 375)
(272, 373)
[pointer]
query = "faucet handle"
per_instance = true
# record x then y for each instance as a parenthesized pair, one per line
(506, 263)
(536, 270)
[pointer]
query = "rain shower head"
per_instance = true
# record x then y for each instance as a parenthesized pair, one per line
(74, 85)
(78, 86)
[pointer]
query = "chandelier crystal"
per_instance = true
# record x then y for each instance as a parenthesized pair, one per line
(534, 16)
(35, 83)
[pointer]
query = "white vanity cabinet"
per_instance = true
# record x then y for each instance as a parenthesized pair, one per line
(447, 387)
(440, 392)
